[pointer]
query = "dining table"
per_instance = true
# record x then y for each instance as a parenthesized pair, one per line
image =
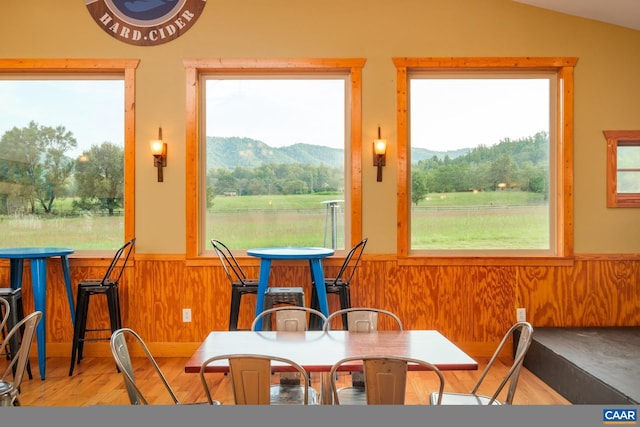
(318, 351)
(312, 254)
(37, 257)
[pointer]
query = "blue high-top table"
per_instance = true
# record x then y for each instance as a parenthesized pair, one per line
(38, 259)
(312, 254)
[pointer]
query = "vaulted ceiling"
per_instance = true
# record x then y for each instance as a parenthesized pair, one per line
(625, 13)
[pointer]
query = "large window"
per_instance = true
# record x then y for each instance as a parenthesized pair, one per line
(276, 149)
(486, 158)
(63, 150)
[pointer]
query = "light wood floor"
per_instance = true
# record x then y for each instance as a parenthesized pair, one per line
(96, 382)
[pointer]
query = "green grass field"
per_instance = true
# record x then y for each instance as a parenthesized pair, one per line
(491, 220)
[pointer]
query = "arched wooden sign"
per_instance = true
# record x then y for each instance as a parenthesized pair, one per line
(145, 22)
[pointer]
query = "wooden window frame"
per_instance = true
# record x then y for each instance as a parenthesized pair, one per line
(564, 70)
(124, 67)
(615, 139)
(195, 185)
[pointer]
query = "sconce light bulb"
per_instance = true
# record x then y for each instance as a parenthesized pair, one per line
(156, 147)
(380, 146)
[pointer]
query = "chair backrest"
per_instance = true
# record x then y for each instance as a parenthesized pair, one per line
(526, 334)
(346, 272)
(230, 264)
(113, 275)
(5, 309)
(385, 377)
(20, 357)
(122, 356)
(362, 319)
(290, 318)
(251, 377)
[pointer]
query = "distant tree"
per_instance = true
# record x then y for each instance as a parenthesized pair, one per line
(34, 157)
(295, 186)
(100, 178)
(503, 170)
(419, 187)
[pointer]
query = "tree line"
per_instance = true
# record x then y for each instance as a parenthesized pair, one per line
(35, 171)
(273, 179)
(521, 164)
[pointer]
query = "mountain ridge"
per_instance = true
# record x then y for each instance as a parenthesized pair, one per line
(232, 152)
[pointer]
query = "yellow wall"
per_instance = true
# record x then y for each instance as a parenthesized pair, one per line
(607, 88)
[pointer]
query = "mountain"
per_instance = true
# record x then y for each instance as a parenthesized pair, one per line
(418, 154)
(231, 152)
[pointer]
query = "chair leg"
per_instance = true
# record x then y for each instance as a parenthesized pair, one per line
(114, 311)
(118, 310)
(20, 310)
(314, 321)
(345, 302)
(235, 309)
(115, 319)
(77, 328)
(83, 325)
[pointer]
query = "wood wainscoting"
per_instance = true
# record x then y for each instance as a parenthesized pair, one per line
(473, 305)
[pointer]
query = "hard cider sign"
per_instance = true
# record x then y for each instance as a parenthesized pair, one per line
(145, 22)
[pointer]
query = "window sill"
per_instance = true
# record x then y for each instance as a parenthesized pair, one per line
(488, 260)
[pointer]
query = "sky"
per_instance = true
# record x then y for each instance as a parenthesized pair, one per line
(280, 112)
(445, 114)
(459, 113)
(92, 110)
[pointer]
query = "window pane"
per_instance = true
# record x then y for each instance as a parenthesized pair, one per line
(480, 163)
(629, 157)
(62, 163)
(275, 161)
(628, 182)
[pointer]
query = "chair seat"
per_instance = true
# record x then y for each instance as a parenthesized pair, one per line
(246, 283)
(5, 387)
(335, 284)
(97, 284)
(352, 396)
(291, 395)
(7, 393)
(286, 295)
(462, 399)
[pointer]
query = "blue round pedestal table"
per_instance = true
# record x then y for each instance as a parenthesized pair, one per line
(313, 254)
(38, 259)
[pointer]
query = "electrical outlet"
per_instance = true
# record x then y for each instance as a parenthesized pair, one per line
(186, 315)
(521, 314)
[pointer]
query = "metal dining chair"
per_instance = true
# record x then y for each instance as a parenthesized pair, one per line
(385, 378)
(251, 380)
(340, 284)
(288, 318)
(359, 320)
(11, 379)
(108, 287)
(362, 319)
(291, 319)
(121, 351)
(240, 284)
(473, 397)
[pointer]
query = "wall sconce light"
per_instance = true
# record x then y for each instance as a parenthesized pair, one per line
(159, 151)
(379, 154)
